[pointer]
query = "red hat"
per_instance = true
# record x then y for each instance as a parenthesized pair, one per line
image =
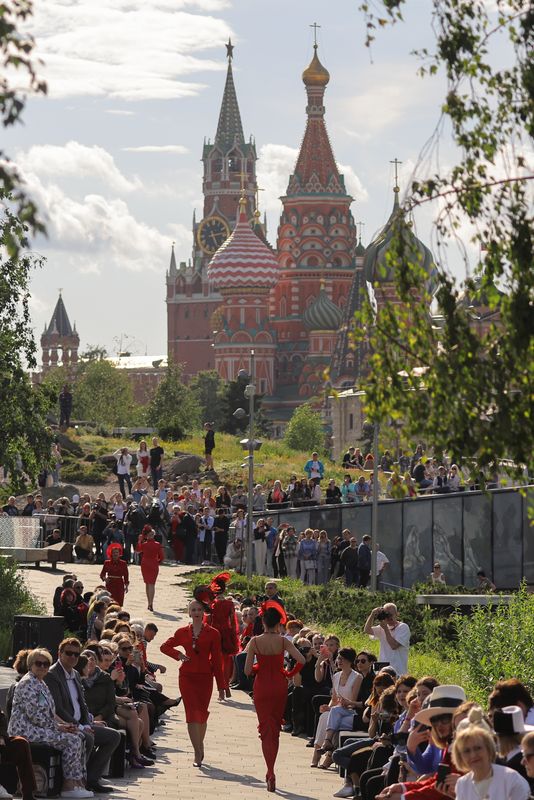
(204, 595)
(218, 584)
(146, 528)
(114, 546)
(273, 604)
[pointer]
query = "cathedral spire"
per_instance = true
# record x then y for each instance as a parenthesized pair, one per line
(229, 128)
(316, 171)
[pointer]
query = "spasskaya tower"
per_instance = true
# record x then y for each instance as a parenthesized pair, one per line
(229, 174)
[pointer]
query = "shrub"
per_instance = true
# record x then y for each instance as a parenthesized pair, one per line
(16, 599)
(496, 644)
(305, 430)
(84, 472)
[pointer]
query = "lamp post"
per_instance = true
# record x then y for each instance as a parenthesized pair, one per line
(374, 518)
(249, 444)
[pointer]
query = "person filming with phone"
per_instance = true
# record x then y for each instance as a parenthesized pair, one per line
(394, 636)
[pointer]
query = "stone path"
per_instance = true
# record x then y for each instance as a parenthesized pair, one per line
(234, 768)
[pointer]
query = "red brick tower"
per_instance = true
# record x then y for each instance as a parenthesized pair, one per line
(60, 340)
(244, 270)
(316, 243)
(229, 171)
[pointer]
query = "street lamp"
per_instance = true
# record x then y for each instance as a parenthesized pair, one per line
(374, 517)
(251, 445)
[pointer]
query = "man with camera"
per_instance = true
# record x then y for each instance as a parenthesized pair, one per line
(393, 635)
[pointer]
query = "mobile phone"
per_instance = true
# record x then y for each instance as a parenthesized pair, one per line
(399, 738)
(442, 772)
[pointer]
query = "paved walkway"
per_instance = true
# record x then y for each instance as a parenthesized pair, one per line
(234, 765)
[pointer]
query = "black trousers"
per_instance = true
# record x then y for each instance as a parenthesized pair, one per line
(302, 708)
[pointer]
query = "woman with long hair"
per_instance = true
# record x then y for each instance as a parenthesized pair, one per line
(143, 459)
(200, 664)
(270, 685)
(152, 556)
(223, 619)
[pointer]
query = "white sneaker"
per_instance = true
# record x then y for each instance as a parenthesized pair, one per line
(4, 794)
(345, 791)
(78, 794)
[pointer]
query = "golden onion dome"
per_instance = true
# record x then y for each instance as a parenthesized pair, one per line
(315, 74)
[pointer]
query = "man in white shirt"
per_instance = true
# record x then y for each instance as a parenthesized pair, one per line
(381, 564)
(393, 635)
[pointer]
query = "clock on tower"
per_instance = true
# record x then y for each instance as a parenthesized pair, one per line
(211, 234)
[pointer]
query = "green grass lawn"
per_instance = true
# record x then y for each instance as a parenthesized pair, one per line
(275, 461)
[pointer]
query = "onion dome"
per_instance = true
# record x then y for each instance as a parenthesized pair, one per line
(243, 261)
(315, 74)
(377, 266)
(323, 314)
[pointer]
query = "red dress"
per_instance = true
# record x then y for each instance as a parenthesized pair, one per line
(152, 556)
(195, 677)
(115, 573)
(223, 618)
(270, 698)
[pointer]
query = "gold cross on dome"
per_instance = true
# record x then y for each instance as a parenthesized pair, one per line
(397, 163)
(315, 26)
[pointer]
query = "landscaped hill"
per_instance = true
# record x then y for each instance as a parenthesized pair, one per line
(274, 461)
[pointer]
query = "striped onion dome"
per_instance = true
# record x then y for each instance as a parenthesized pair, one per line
(323, 314)
(243, 260)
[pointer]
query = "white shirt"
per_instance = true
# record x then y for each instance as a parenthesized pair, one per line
(73, 691)
(381, 561)
(397, 658)
(506, 784)
(315, 471)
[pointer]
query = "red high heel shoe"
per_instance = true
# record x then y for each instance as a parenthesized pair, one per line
(271, 783)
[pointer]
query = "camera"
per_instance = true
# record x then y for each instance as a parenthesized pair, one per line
(382, 615)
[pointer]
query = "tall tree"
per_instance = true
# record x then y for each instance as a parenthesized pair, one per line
(210, 395)
(103, 394)
(16, 54)
(174, 409)
(24, 441)
(465, 390)
(305, 430)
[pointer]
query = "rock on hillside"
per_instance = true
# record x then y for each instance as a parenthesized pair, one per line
(182, 465)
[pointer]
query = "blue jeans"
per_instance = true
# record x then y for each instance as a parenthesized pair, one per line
(342, 755)
(340, 719)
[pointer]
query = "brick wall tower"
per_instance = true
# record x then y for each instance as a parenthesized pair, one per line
(244, 270)
(229, 172)
(316, 243)
(60, 341)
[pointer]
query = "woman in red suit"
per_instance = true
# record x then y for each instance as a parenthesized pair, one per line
(201, 662)
(270, 683)
(223, 618)
(153, 555)
(115, 573)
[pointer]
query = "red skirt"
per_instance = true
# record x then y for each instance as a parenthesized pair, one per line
(149, 570)
(196, 690)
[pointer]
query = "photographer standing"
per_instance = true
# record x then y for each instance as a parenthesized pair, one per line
(393, 635)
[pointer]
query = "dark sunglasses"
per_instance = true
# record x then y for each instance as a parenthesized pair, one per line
(71, 653)
(440, 718)
(43, 664)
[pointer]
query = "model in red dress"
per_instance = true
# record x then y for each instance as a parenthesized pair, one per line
(201, 663)
(115, 573)
(270, 683)
(223, 618)
(153, 555)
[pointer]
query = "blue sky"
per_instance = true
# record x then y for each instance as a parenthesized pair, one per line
(112, 155)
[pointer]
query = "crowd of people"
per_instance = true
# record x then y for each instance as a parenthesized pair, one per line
(101, 683)
(404, 736)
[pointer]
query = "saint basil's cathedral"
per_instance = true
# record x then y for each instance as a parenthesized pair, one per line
(292, 305)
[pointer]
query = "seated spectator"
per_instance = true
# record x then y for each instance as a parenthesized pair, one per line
(67, 582)
(512, 693)
(419, 474)
(437, 576)
(403, 462)
(33, 716)
(16, 751)
(484, 584)
(70, 611)
(67, 692)
(348, 490)
(395, 487)
(333, 492)
(369, 462)
(84, 544)
(316, 493)
(297, 494)
(509, 727)
(53, 538)
(304, 688)
(411, 489)
(95, 620)
(348, 459)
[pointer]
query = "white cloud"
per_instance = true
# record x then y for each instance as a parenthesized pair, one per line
(120, 112)
(75, 160)
(276, 163)
(158, 148)
(128, 49)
